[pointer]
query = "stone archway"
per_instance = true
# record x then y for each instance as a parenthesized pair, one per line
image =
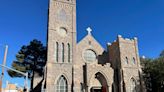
(98, 83)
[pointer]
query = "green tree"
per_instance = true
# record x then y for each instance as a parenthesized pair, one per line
(153, 73)
(146, 68)
(30, 58)
(158, 74)
(162, 54)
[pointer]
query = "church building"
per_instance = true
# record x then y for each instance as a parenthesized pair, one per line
(85, 66)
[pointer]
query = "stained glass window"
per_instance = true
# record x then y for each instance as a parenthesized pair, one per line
(62, 85)
(69, 53)
(89, 55)
(134, 61)
(63, 52)
(126, 60)
(56, 51)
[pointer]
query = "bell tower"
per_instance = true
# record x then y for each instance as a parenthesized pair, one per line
(61, 41)
(124, 58)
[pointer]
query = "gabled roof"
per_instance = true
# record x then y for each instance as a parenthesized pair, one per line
(89, 38)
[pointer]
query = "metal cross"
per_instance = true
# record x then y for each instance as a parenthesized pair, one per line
(89, 30)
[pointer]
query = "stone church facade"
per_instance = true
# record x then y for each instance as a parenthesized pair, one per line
(86, 66)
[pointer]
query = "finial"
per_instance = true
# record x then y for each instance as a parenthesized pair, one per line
(89, 30)
(135, 38)
(119, 36)
(143, 57)
(109, 44)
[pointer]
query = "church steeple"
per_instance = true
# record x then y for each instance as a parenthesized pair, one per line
(61, 41)
(62, 28)
(67, 1)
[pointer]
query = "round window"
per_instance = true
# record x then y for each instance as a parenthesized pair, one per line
(62, 31)
(89, 55)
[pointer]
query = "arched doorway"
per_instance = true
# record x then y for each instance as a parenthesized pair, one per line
(98, 83)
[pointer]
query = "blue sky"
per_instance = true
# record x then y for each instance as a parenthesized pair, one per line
(24, 20)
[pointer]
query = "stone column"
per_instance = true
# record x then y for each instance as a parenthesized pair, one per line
(69, 88)
(88, 89)
(77, 89)
(110, 89)
(121, 87)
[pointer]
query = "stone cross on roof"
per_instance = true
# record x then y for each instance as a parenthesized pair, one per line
(89, 30)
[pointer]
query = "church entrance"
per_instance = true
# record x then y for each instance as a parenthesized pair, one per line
(98, 83)
(94, 89)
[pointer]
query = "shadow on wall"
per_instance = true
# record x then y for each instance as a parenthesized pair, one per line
(103, 58)
(38, 88)
(136, 87)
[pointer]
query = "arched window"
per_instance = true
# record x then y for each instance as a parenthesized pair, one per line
(126, 60)
(63, 52)
(133, 85)
(57, 51)
(134, 61)
(69, 53)
(62, 85)
(62, 15)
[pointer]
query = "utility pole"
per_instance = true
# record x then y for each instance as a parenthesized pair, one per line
(4, 63)
(24, 74)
